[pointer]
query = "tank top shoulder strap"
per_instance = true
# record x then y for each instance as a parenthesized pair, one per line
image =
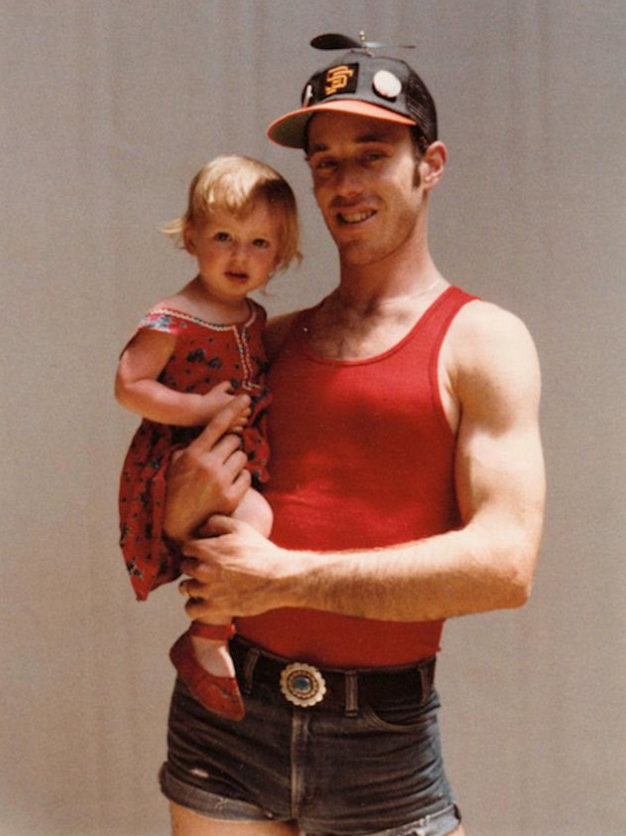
(446, 306)
(434, 324)
(431, 327)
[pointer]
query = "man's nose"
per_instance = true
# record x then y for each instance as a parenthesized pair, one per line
(348, 180)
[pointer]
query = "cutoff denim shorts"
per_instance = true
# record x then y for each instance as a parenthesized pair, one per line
(375, 769)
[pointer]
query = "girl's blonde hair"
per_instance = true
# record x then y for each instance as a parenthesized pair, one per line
(236, 184)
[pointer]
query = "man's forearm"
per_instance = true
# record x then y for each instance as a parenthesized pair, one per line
(453, 574)
(475, 569)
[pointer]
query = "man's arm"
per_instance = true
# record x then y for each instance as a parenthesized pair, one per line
(485, 565)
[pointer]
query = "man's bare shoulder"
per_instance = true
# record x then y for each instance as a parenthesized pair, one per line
(276, 332)
(481, 327)
(491, 350)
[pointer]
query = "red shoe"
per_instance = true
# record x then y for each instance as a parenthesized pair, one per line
(220, 694)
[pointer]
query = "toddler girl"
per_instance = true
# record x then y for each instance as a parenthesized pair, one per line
(191, 354)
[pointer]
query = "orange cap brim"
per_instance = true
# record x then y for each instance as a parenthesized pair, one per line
(289, 130)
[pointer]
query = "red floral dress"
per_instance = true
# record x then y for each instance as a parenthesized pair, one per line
(204, 355)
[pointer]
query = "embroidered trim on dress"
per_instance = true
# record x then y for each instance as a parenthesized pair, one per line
(240, 338)
(159, 311)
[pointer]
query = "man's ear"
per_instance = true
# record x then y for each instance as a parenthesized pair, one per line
(433, 164)
(189, 239)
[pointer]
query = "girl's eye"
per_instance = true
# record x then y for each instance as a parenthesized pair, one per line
(261, 242)
(222, 236)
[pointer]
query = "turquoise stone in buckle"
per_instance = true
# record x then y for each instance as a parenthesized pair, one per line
(302, 684)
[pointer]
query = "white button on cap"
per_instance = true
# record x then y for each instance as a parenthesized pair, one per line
(386, 84)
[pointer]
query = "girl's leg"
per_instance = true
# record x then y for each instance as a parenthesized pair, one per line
(203, 662)
(212, 652)
(201, 655)
(255, 510)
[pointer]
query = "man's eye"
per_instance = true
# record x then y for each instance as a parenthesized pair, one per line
(325, 165)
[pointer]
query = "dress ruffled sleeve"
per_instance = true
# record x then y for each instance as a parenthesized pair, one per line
(158, 320)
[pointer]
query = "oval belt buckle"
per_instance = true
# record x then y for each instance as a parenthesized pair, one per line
(302, 684)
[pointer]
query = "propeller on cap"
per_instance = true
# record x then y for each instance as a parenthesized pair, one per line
(333, 40)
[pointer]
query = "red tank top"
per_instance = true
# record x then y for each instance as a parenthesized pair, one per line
(362, 456)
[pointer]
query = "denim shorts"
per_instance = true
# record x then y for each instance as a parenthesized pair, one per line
(365, 762)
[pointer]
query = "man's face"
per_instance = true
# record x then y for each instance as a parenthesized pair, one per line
(365, 184)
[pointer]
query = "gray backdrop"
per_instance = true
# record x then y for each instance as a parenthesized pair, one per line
(107, 109)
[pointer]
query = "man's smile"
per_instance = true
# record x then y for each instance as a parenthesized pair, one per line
(355, 217)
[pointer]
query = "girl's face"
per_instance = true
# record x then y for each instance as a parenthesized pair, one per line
(235, 255)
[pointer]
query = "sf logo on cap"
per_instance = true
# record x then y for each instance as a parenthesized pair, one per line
(337, 79)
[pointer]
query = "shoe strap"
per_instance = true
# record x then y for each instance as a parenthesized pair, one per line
(212, 631)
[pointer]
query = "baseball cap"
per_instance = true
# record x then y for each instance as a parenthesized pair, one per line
(364, 84)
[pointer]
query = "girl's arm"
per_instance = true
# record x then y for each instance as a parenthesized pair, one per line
(138, 390)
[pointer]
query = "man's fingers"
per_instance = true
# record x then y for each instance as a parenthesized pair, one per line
(196, 608)
(226, 446)
(220, 524)
(199, 570)
(189, 588)
(215, 526)
(234, 468)
(235, 495)
(221, 423)
(238, 488)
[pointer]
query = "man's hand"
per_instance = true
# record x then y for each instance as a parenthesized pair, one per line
(208, 476)
(235, 572)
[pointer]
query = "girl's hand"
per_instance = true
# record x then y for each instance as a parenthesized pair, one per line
(218, 399)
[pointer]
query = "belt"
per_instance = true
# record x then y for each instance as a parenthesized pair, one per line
(310, 687)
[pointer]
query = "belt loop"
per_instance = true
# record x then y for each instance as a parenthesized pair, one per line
(352, 694)
(426, 680)
(252, 657)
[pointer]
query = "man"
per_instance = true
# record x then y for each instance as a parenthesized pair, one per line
(407, 487)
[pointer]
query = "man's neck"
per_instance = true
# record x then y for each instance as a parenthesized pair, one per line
(374, 307)
(400, 277)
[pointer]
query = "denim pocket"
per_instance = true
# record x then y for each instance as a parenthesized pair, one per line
(402, 713)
